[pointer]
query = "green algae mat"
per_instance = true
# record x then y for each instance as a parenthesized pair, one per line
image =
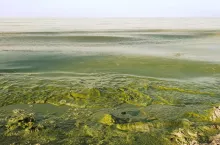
(109, 87)
(53, 98)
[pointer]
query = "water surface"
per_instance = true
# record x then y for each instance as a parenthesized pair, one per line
(109, 81)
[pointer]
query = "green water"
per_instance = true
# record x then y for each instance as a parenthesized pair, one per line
(110, 87)
(165, 94)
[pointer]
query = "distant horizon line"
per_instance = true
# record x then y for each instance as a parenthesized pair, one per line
(50, 17)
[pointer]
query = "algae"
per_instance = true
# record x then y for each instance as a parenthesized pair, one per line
(21, 121)
(76, 97)
(117, 110)
(107, 119)
(137, 126)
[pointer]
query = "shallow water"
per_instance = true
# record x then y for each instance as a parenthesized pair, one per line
(109, 81)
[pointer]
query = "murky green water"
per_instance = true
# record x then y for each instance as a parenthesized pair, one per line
(109, 86)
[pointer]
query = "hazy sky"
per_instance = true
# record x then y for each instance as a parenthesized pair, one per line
(109, 8)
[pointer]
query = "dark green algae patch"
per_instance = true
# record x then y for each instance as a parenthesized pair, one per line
(107, 109)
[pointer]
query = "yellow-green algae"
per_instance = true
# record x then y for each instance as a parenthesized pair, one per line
(128, 110)
(21, 121)
(59, 98)
(107, 119)
(136, 126)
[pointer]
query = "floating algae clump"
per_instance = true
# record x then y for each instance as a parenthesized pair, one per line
(183, 136)
(21, 121)
(196, 116)
(196, 135)
(107, 120)
(133, 96)
(136, 126)
(216, 114)
(78, 95)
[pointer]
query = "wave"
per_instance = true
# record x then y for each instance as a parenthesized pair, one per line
(181, 44)
(144, 36)
(78, 38)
